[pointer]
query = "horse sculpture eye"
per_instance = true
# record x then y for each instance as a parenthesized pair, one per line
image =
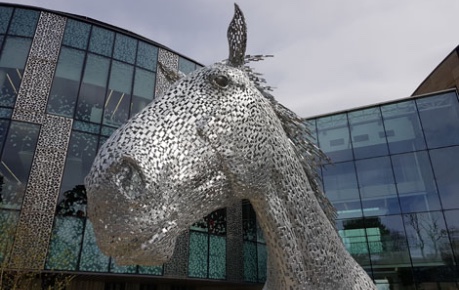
(221, 81)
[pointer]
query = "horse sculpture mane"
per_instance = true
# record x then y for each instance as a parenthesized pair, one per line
(215, 137)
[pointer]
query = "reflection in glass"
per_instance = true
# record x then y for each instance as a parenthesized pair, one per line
(92, 259)
(8, 222)
(186, 66)
(144, 90)
(16, 161)
(377, 186)
(66, 82)
(340, 185)
(5, 15)
(101, 41)
(333, 137)
(367, 133)
(352, 233)
(116, 108)
(3, 129)
(76, 34)
(403, 127)
(452, 222)
(415, 182)
(427, 238)
(147, 56)
(65, 243)
(24, 22)
(92, 92)
(446, 170)
(12, 62)
(151, 270)
(125, 48)
(81, 152)
(440, 119)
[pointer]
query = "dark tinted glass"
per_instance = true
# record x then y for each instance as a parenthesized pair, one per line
(352, 233)
(333, 137)
(76, 34)
(403, 128)
(415, 182)
(446, 170)
(440, 119)
(367, 133)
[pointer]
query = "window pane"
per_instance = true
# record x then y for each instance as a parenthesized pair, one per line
(118, 100)
(340, 185)
(217, 257)
(352, 233)
(101, 41)
(403, 127)
(5, 15)
(3, 129)
(144, 90)
(249, 222)
(377, 187)
(12, 62)
(81, 153)
(186, 66)
(440, 119)
(76, 34)
(8, 222)
(24, 22)
(262, 256)
(92, 259)
(65, 243)
(250, 261)
(367, 133)
(92, 92)
(333, 137)
(452, 221)
(114, 268)
(66, 82)
(446, 172)
(415, 182)
(427, 238)
(147, 55)
(197, 264)
(16, 162)
(125, 48)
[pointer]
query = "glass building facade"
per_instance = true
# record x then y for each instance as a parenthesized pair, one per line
(67, 82)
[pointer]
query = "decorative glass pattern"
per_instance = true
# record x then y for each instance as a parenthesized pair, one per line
(250, 262)
(64, 90)
(217, 257)
(144, 90)
(107, 131)
(16, 161)
(76, 34)
(125, 48)
(114, 268)
(92, 258)
(65, 243)
(151, 270)
(197, 265)
(12, 62)
(5, 113)
(8, 223)
(24, 22)
(101, 41)
(5, 16)
(147, 56)
(262, 256)
(86, 127)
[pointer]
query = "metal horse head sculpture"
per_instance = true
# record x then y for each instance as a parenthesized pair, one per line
(215, 137)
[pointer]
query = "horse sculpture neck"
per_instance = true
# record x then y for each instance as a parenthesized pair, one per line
(304, 249)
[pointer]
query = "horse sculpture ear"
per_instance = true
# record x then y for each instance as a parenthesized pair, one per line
(237, 38)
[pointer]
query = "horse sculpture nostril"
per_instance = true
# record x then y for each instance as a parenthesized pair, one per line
(129, 178)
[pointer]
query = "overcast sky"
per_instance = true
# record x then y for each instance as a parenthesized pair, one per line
(330, 55)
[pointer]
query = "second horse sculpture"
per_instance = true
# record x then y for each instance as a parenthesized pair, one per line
(215, 137)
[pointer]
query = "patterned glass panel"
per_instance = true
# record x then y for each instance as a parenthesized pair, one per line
(24, 22)
(125, 48)
(65, 243)
(5, 113)
(197, 264)
(114, 268)
(250, 262)
(352, 233)
(8, 222)
(66, 82)
(16, 161)
(76, 34)
(151, 270)
(12, 62)
(117, 103)
(101, 41)
(92, 91)
(262, 260)
(3, 129)
(5, 15)
(92, 258)
(144, 90)
(86, 127)
(147, 56)
(217, 257)
(186, 66)
(107, 131)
